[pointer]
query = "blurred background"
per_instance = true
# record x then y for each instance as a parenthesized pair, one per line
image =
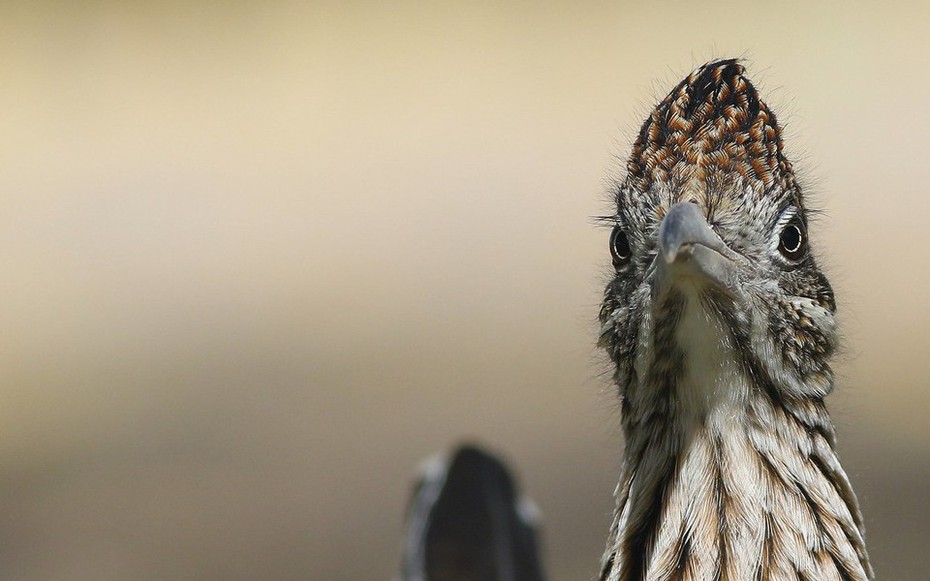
(260, 259)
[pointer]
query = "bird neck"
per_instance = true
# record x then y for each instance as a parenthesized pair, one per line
(724, 478)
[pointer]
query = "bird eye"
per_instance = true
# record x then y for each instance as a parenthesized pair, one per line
(793, 242)
(619, 247)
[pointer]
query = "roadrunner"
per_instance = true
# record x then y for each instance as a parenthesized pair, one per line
(721, 329)
(467, 523)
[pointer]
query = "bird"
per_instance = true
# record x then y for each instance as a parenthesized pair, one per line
(719, 328)
(467, 522)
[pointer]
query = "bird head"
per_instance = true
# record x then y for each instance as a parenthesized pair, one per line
(711, 221)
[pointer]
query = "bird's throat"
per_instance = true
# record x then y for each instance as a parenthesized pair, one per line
(722, 480)
(709, 382)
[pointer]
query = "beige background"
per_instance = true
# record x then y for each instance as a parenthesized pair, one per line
(259, 260)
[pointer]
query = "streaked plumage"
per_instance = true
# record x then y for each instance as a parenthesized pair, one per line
(721, 328)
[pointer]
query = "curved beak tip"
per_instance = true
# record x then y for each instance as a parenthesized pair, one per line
(682, 227)
(688, 245)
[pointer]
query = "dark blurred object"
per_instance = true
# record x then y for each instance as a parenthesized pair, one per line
(466, 522)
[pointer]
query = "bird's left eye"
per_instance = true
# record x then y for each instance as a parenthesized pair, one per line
(619, 247)
(792, 244)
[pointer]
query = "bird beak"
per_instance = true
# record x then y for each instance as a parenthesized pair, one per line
(689, 248)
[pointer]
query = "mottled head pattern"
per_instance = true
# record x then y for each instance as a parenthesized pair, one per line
(729, 468)
(712, 122)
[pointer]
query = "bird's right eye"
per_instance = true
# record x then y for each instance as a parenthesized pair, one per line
(792, 243)
(619, 247)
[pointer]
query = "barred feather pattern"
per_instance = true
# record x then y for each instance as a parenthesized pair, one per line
(730, 470)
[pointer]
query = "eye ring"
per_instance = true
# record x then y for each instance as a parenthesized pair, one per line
(620, 252)
(792, 242)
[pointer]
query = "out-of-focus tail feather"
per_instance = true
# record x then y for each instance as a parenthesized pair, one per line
(466, 522)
